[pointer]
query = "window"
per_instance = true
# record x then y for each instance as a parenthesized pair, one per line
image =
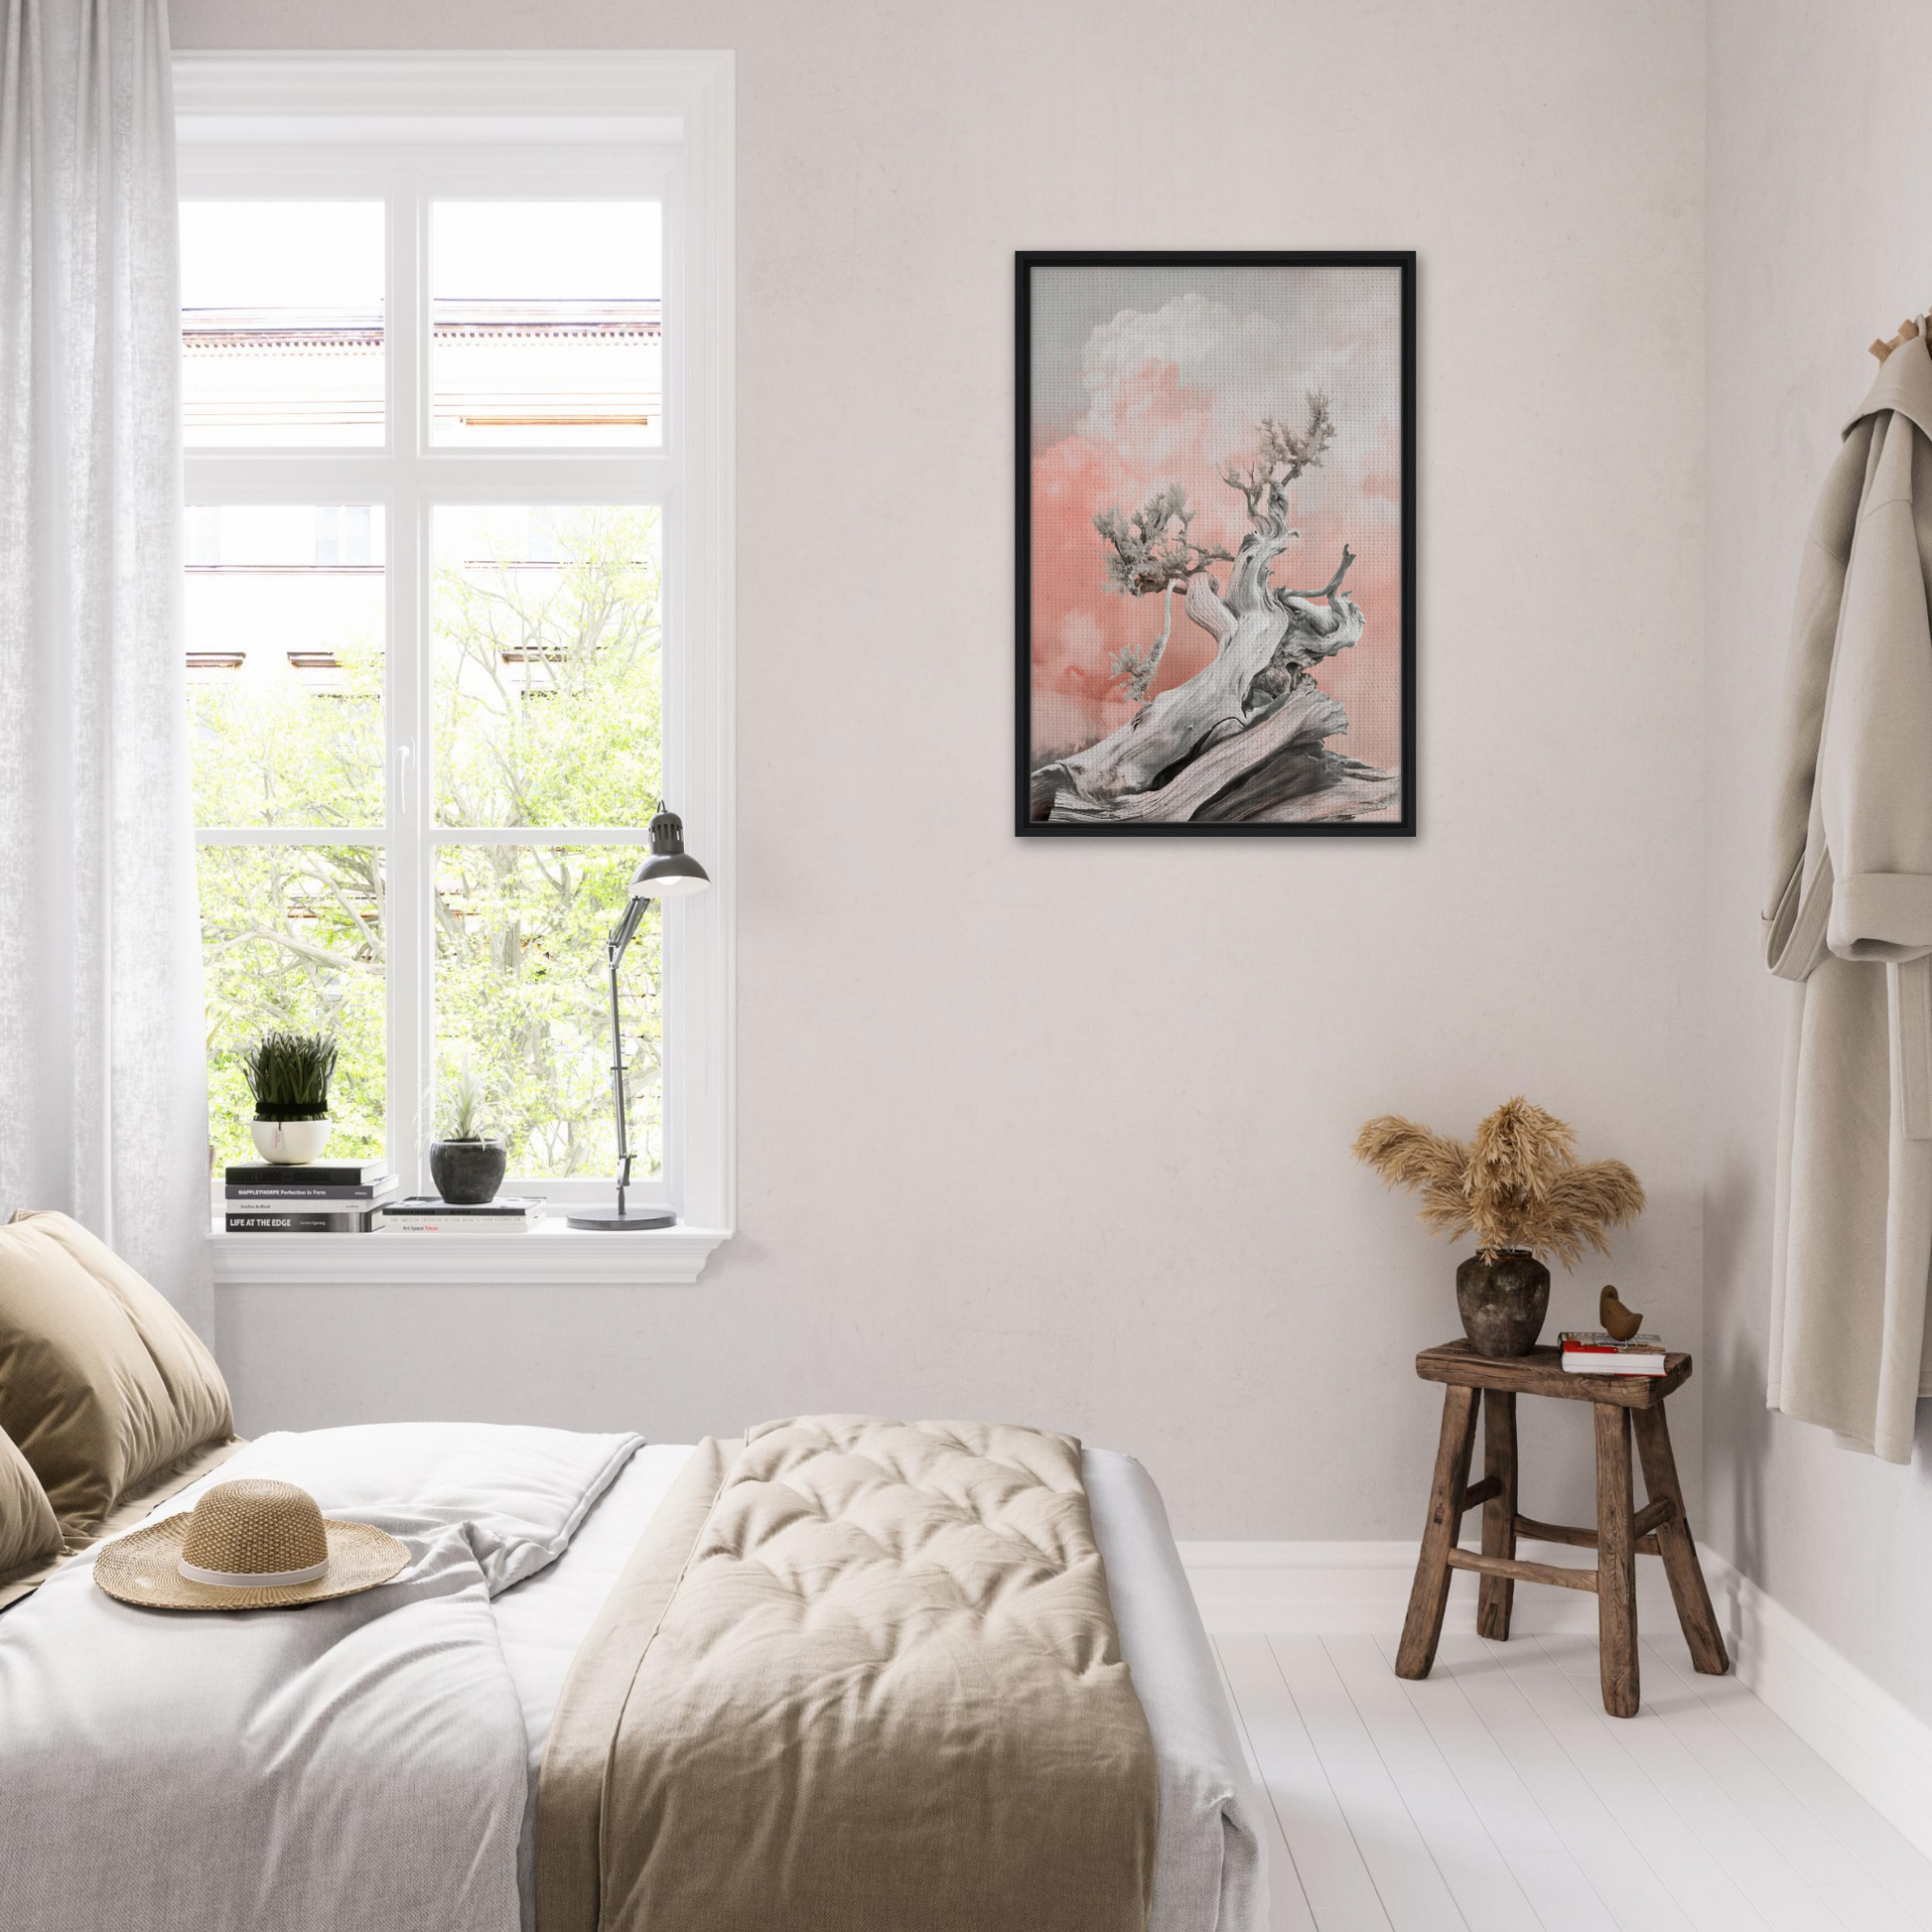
(457, 597)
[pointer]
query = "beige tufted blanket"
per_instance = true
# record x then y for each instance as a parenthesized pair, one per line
(860, 1676)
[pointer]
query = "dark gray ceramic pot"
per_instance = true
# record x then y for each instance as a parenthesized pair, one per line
(467, 1174)
(1503, 1302)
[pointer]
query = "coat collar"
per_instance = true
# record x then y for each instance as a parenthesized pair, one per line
(1904, 384)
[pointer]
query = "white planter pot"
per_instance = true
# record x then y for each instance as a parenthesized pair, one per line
(290, 1142)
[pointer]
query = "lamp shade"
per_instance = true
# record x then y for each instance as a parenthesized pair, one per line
(670, 872)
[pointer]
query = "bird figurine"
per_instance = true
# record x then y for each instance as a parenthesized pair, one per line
(1620, 1322)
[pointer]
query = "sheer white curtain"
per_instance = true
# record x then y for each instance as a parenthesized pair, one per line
(102, 1071)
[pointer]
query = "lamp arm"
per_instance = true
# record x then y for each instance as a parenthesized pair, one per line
(615, 947)
(626, 927)
(614, 954)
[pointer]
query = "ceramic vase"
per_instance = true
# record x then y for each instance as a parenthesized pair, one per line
(467, 1174)
(290, 1142)
(1503, 1300)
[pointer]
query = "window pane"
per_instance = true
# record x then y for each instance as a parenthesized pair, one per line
(547, 323)
(281, 324)
(548, 689)
(522, 1001)
(285, 629)
(292, 938)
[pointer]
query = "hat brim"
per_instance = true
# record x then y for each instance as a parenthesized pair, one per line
(143, 1568)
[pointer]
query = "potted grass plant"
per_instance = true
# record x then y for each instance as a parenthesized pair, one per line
(289, 1075)
(1520, 1190)
(467, 1162)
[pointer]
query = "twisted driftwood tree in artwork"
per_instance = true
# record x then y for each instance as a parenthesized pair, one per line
(1244, 738)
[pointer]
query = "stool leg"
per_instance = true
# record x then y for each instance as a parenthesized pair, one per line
(1423, 1629)
(1677, 1547)
(1616, 1561)
(1496, 1596)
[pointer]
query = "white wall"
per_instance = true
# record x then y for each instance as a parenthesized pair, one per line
(1059, 1132)
(1820, 239)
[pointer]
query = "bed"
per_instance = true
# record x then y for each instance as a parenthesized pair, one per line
(839, 1674)
(510, 1579)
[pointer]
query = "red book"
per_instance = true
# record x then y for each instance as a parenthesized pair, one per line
(1592, 1351)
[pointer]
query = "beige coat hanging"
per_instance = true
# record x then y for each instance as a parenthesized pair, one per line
(1850, 921)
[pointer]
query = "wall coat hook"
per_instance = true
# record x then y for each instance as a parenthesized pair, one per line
(1909, 332)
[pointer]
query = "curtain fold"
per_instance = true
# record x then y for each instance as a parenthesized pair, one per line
(102, 1062)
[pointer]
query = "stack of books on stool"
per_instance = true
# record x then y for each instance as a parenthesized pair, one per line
(425, 1214)
(318, 1198)
(1595, 1351)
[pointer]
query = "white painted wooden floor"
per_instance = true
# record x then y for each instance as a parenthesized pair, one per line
(1497, 1796)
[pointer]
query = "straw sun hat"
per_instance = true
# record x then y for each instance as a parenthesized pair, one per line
(249, 1545)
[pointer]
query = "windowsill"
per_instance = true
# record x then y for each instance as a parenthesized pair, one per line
(549, 1253)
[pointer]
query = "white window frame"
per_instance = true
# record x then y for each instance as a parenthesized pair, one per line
(403, 128)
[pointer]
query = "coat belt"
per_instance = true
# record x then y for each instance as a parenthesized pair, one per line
(1795, 945)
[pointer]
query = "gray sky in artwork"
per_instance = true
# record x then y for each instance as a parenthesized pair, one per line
(1322, 328)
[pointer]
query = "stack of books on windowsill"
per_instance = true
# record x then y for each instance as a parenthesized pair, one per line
(425, 1214)
(318, 1198)
(1595, 1352)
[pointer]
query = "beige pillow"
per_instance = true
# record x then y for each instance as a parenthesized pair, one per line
(101, 1383)
(29, 1533)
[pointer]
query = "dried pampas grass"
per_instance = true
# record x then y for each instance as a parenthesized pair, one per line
(1430, 1165)
(1517, 1185)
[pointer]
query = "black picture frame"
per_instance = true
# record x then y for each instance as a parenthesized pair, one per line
(1025, 262)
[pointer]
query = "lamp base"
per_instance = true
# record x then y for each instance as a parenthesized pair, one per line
(612, 1220)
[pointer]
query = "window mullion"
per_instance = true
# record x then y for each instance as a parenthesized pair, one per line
(409, 1020)
(637, 835)
(291, 835)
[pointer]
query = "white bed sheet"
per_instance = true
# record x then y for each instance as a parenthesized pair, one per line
(1210, 1873)
(356, 1766)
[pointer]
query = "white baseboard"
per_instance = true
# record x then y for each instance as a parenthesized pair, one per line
(1879, 1747)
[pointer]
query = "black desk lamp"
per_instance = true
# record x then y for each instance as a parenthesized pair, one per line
(669, 873)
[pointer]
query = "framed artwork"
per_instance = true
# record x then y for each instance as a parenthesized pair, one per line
(1216, 547)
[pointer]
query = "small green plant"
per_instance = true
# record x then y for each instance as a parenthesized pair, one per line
(464, 1111)
(289, 1075)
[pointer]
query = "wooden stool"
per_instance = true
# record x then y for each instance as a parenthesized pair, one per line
(1622, 1535)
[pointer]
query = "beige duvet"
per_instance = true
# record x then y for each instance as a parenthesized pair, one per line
(864, 1673)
